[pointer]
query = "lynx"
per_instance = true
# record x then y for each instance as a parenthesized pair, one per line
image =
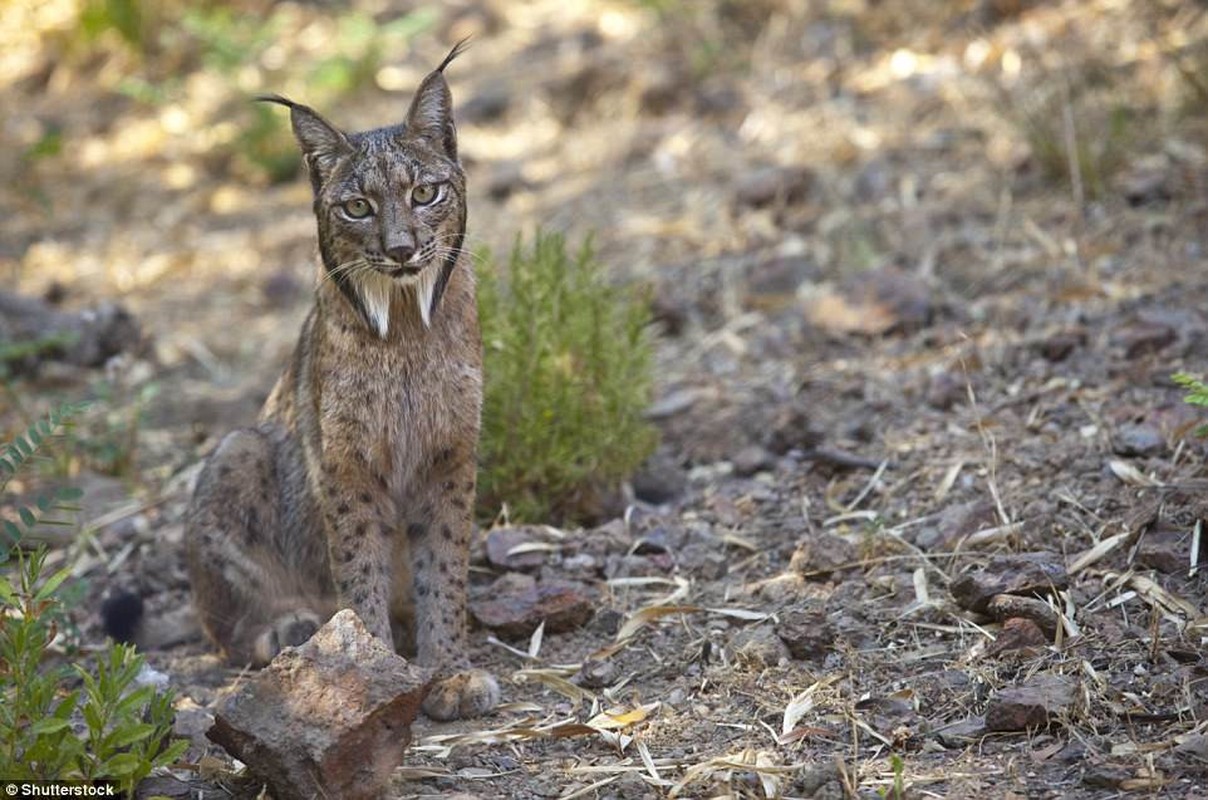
(355, 488)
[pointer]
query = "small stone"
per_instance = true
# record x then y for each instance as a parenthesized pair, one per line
(1006, 606)
(1059, 346)
(773, 186)
(773, 284)
(962, 734)
(818, 556)
(1105, 776)
(1140, 338)
(1139, 440)
(500, 542)
(1195, 746)
(759, 647)
(1017, 634)
(596, 673)
(792, 429)
(946, 389)
(1036, 574)
(660, 480)
(806, 633)
(954, 523)
(1038, 702)
(1165, 549)
(331, 718)
(516, 604)
(752, 459)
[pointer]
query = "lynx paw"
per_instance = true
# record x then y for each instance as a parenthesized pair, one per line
(467, 694)
(287, 630)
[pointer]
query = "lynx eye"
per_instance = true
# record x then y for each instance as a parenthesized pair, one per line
(357, 208)
(423, 194)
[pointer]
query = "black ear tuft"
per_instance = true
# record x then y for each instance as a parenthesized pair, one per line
(457, 50)
(431, 113)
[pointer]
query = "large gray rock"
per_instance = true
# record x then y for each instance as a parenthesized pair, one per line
(328, 719)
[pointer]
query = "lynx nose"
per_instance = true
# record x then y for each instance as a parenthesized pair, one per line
(401, 253)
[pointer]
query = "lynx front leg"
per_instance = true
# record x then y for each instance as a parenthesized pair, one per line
(440, 553)
(357, 516)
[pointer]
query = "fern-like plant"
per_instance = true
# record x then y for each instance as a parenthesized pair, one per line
(112, 728)
(13, 457)
(568, 377)
(1197, 394)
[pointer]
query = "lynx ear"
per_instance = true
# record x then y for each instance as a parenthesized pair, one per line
(321, 142)
(431, 114)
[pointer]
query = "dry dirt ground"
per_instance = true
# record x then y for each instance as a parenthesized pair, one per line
(902, 335)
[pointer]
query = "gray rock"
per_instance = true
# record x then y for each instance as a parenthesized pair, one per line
(331, 718)
(516, 604)
(501, 541)
(1006, 606)
(1139, 440)
(1036, 703)
(1035, 574)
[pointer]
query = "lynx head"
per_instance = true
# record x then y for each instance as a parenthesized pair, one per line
(390, 203)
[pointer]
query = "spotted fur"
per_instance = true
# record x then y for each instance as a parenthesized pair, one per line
(355, 488)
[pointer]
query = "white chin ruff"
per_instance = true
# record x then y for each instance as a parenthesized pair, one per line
(377, 291)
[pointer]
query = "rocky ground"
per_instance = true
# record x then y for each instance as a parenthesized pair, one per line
(926, 513)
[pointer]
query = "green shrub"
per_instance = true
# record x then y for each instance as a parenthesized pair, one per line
(51, 728)
(568, 376)
(1197, 394)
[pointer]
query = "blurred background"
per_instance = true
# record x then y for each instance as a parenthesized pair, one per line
(927, 264)
(740, 158)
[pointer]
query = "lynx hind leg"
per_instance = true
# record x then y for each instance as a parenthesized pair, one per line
(249, 601)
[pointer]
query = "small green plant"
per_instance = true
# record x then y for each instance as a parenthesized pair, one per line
(107, 439)
(898, 790)
(49, 729)
(568, 376)
(1197, 394)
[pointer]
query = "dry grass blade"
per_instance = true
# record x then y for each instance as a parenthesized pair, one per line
(1130, 474)
(533, 547)
(801, 705)
(741, 542)
(768, 779)
(586, 790)
(516, 651)
(643, 617)
(553, 680)
(1097, 552)
(997, 533)
(682, 587)
(655, 778)
(1196, 535)
(947, 482)
(615, 719)
(535, 641)
(922, 596)
(1155, 595)
(746, 761)
(440, 745)
(741, 613)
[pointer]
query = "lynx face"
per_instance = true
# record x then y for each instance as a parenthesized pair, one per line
(390, 203)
